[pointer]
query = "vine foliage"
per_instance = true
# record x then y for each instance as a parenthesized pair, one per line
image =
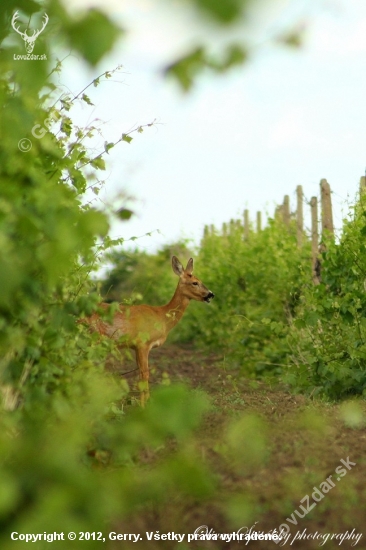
(65, 441)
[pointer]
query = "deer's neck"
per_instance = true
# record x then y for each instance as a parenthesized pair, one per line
(175, 309)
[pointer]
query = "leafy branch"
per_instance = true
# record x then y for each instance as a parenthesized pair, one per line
(107, 146)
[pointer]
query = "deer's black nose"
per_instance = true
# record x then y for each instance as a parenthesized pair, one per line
(209, 296)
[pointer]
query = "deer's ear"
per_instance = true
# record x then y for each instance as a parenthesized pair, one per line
(177, 266)
(189, 268)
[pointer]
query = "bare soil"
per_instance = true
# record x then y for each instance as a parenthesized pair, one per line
(305, 442)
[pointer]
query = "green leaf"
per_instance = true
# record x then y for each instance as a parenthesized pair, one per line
(108, 146)
(95, 222)
(85, 98)
(124, 214)
(93, 36)
(98, 163)
(126, 138)
(186, 69)
(223, 11)
(311, 318)
(66, 103)
(300, 323)
(66, 126)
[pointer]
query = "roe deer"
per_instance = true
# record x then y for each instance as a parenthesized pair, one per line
(144, 327)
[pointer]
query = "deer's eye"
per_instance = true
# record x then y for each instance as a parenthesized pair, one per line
(195, 284)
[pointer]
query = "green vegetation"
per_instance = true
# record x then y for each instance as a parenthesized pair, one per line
(328, 338)
(273, 319)
(257, 285)
(65, 441)
(76, 452)
(268, 318)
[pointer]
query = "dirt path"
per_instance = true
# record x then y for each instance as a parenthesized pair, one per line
(304, 440)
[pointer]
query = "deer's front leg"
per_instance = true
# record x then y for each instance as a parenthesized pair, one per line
(142, 359)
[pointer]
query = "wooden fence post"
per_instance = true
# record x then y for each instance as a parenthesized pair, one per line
(327, 215)
(246, 224)
(362, 184)
(259, 222)
(286, 210)
(299, 216)
(315, 240)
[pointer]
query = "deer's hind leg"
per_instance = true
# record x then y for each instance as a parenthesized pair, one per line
(142, 360)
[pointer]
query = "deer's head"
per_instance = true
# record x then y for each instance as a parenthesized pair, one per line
(190, 286)
(29, 41)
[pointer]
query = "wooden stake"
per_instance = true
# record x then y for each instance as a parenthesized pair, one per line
(299, 216)
(327, 215)
(362, 184)
(315, 240)
(286, 211)
(246, 224)
(259, 222)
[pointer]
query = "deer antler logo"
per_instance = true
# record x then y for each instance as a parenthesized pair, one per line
(29, 41)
